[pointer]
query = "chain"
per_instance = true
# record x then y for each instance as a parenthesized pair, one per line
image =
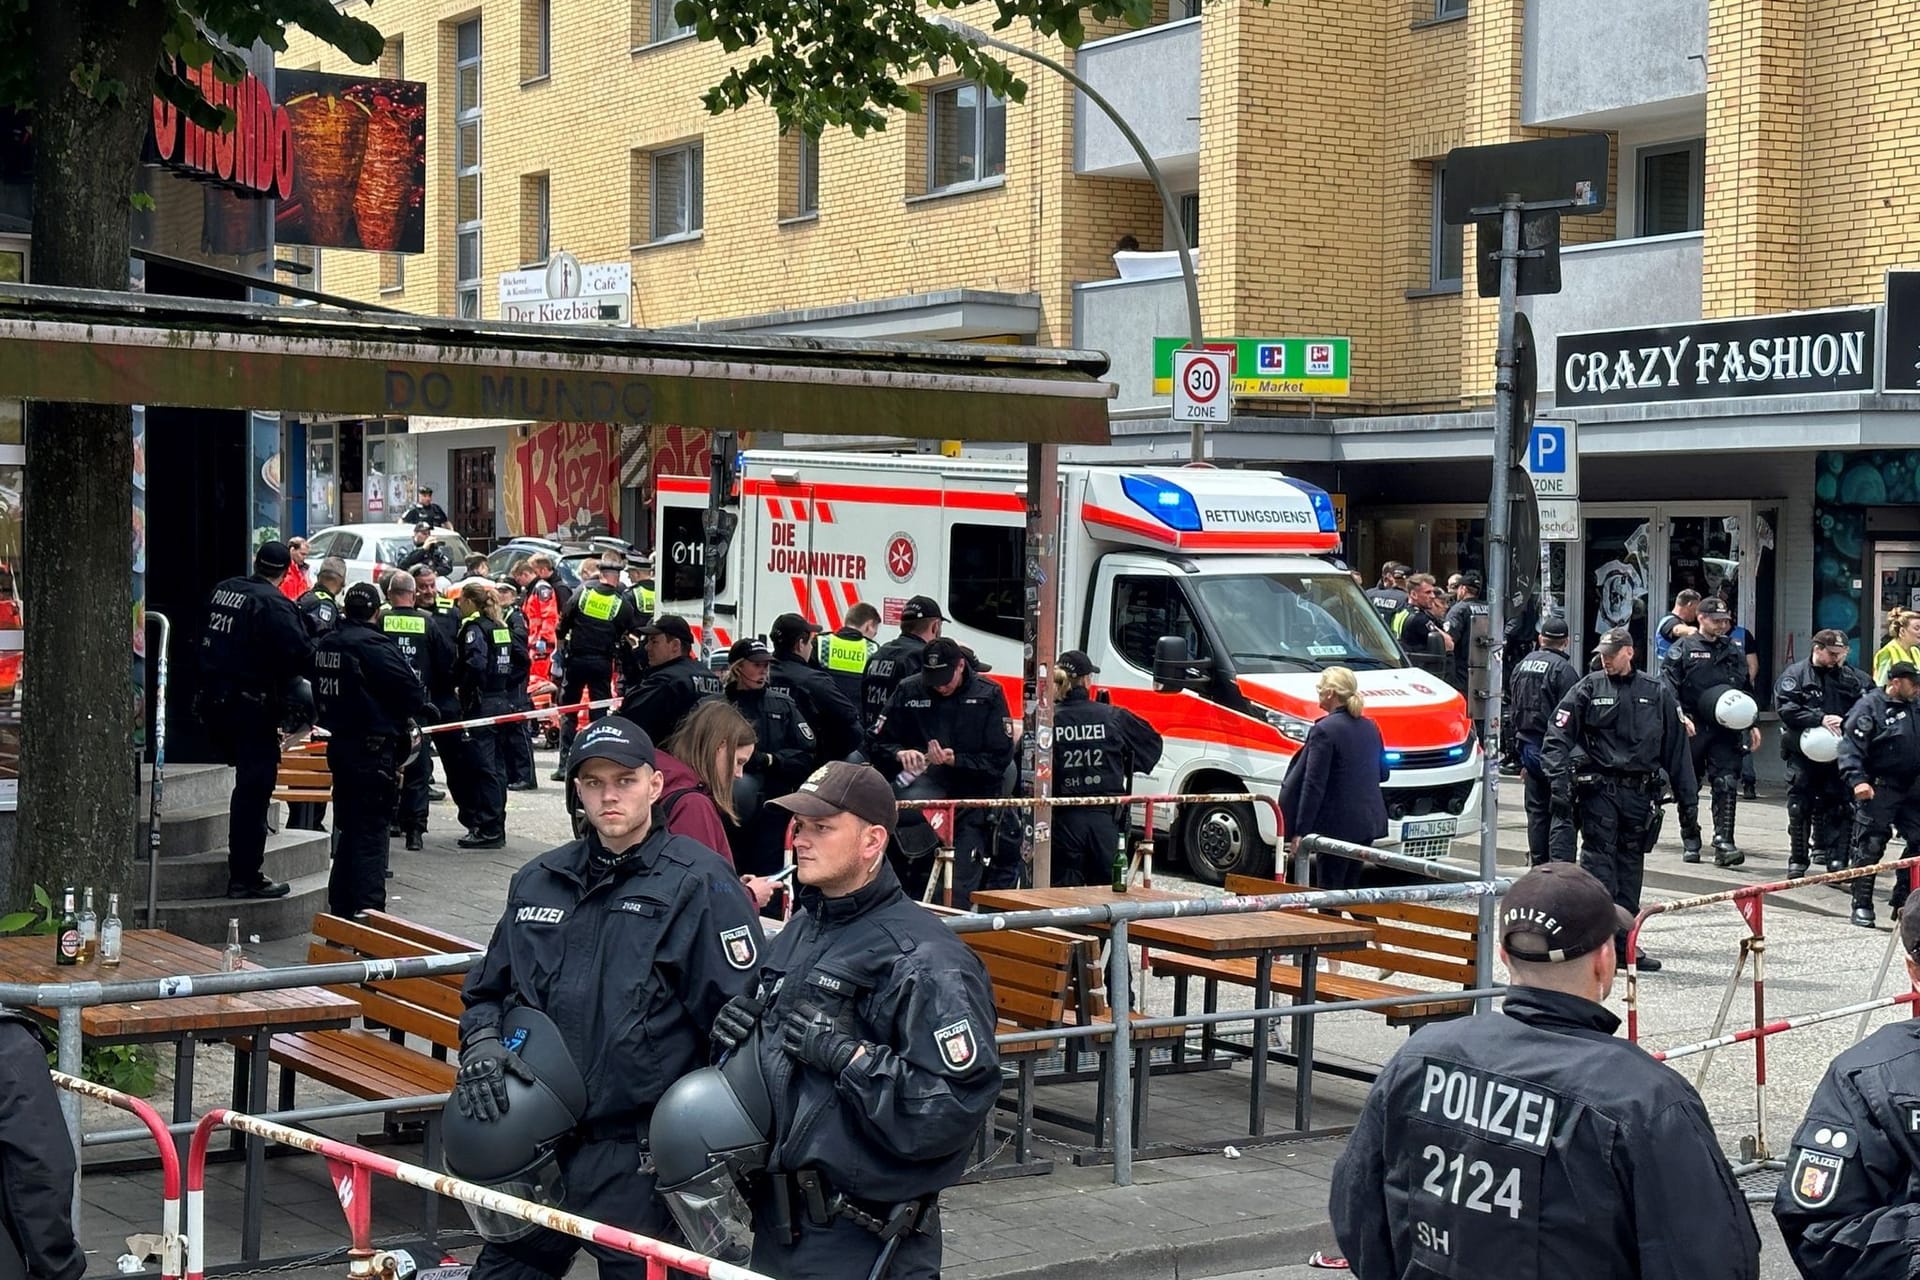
(312, 1260)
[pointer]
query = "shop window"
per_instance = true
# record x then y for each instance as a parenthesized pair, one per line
(991, 560)
(1147, 608)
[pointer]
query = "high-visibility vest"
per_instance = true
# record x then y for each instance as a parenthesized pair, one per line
(848, 656)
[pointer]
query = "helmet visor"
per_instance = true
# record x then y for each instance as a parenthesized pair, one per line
(713, 1214)
(543, 1184)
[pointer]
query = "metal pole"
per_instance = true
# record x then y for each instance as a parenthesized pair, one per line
(1497, 577)
(1120, 1064)
(1043, 608)
(723, 446)
(69, 1064)
(159, 768)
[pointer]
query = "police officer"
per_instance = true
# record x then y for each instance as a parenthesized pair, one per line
(1097, 748)
(898, 658)
(37, 1165)
(483, 678)
(1540, 681)
(781, 760)
(1880, 763)
(366, 697)
(446, 616)
(835, 718)
(1815, 694)
(640, 593)
(253, 648)
(1467, 605)
(1390, 597)
(425, 510)
(876, 1040)
(516, 739)
(428, 551)
(1611, 738)
(1535, 1143)
(320, 606)
(673, 681)
(845, 652)
(593, 630)
(1847, 1207)
(1696, 666)
(945, 735)
(632, 940)
(429, 650)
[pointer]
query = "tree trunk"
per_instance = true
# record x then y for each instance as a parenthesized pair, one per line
(77, 798)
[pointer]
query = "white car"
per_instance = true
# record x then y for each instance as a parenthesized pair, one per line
(374, 550)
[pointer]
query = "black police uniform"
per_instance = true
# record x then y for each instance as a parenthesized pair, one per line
(365, 696)
(252, 649)
(782, 758)
(429, 650)
(1097, 748)
(893, 1130)
(1534, 1144)
(1607, 745)
(973, 723)
(1387, 601)
(1694, 667)
(516, 740)
(833, 717)
(633, 959)
(1849, 1204)
(1459, 625)
(433, 554)
(483, 677)
(593, 629)
(662, 697)
(426, 513)
(319, 610)
(1540, 680)
(845, 654)
(888, 665)
(1880, 745)
(1819, 807)
(37, 1166)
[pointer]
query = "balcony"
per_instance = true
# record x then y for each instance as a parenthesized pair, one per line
(1601, 66)
(1621, 284)
(1152, 78)
(1122, 318)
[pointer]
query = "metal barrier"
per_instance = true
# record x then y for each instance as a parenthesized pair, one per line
(172, 1259)
(158, 789)
(353, 1169)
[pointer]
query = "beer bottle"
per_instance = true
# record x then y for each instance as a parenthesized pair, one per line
(110, 934)
(89, 927)
(66, 936)
(1121, 863)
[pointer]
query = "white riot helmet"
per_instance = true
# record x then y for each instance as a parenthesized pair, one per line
(1734, 709)
(1820, 744)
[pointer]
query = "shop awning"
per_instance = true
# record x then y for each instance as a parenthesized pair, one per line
(112, 348)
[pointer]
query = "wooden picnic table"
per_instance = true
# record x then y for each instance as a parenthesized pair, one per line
(1260, 934)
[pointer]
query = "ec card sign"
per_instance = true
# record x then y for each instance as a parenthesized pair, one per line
(1790, 354)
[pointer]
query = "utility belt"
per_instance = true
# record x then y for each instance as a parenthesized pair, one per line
(616, 1129)
(1619, 780)
(807, 1198)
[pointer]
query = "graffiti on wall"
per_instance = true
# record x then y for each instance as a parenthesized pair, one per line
(562, 478)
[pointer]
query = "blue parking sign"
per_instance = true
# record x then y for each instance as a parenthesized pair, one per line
(1547, 449)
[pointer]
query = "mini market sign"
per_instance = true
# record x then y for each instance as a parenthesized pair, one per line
(1290, 367)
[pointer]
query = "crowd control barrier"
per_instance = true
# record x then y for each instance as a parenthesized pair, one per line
(172, 1258)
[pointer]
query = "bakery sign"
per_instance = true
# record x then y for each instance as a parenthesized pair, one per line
(1789, 354)
(254, 156)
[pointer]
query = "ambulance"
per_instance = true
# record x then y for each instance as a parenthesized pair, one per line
(1233, 563)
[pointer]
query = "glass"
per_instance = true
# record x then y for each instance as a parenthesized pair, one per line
(992, 561)
(469, 301)
(697, 189)
(1272, 622)
(13, 267)
(13, 422)
(467, 255)
(953, 137)
(466, 145)
(676, 193)
(466, 90)
(665, 25)
(1667, 185)
(1449, 242)
(466, 206)
(1459, 544)
(1619, 560)
(993, 142)
(1146, 608)
(1703, 554)
(466, 39)
(1385, 538)
(322, 491)
(809, 157)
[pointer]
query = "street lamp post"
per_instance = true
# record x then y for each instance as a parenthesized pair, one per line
(1195, 340)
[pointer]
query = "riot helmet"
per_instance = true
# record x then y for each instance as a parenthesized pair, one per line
(515, 1153)
(1820, 744)
(1728, 707)
(299, 711)
(710, 1130)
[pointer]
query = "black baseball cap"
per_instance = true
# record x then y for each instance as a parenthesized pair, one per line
(751, 649)
(425, 488)
(841, 787)
(1559, 912)
(670, 624)
(361, 601)
(1076, 663)
(1906, 669)
(1472, 578)
(1554, 626)
(272, 555)
(1714, 607)
(921, 608)
(940, 655)
(1616, 639)
(789, 627)
(422, 527)
(614, 738)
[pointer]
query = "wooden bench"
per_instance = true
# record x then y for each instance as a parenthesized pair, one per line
(303, 776)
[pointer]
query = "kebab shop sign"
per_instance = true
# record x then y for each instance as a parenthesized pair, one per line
(254, 156)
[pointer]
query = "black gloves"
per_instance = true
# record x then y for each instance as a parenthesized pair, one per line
(480, 1090)
(738, 1017)
(810, 1035)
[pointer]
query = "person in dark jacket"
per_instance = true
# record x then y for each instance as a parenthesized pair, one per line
(516, 739)
(1880, 764)
(1847, 1206)
(38, 1170)
(1540, 680)
(1816, 693)
(483, 679)
(846, 652)
(593, 631)
(834, 718)
(898, 658)
(320, 606)
(1097, 748)
(428, 551)
(674, 682)
(632, 940)
(1533, 1142)
(782, 756)
(429, 650)
(1695, 668)
(1333, 787)
(876, 1040)
(1467, 606)
(425, 510)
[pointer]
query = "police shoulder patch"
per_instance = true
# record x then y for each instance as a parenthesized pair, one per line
(958, 1046)
(738, 945)
(1562, 717)
(1788, 684)
(1814, 1177)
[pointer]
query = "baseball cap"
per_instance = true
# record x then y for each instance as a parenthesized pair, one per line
(1714, 607)
(940, 655)
(670, 624)
(840, 787)
(1906, 669)
(751, 649)
(1472, 578)
(1615, 639)
(272, 554)
(789, 627)
(920, 608)
(1558, 912)
(1830, 639)
(1554, 626)
(612, 738)
(1076, 663)
(974, 664)
(426, 488)
(361, 601)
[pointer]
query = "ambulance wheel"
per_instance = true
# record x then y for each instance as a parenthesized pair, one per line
(1219, 840)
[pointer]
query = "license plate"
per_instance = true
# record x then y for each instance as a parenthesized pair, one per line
(1428, 828)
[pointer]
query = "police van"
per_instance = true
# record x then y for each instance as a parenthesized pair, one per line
(1232, 563)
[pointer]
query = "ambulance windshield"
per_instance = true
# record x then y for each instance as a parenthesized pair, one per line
(1272, 622)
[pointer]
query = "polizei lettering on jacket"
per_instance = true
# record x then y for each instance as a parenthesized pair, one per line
(1467, 1099)
(1080, 732)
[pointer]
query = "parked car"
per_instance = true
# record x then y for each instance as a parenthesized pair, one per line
(570, 559)
(374, 550)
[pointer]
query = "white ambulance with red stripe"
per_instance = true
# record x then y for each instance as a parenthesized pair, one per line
(1232, 562)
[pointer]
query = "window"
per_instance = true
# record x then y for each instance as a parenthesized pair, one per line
(536, 226)
(807, 175)
(1446, 244)
(1449, 8)
(1190, 218)
(665, 26)
(393, 66)
(466, 169)
(682, 554)
(1146, 608)
(991, 560)
(1275, 622)
(966, 137)
(393, 272)
(676, 195)
(393, 58)
(536, 39)
(1672, 188)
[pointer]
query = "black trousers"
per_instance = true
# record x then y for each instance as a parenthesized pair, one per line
(1546, 840)
(843, 1250)
(1819, 812)
(366, 785)
(1894, 807)
(475, 776)
(516, 744)
(1619, 819)
(247, 737)
(591, 676)
(411, 812)
(972, 832)
(605, 1183)
(1084, 842)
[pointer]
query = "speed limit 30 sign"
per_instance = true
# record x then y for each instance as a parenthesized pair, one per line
(1200, 386)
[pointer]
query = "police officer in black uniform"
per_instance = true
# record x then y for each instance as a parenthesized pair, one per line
(673, 681)
(37, 1165)
(425, 510)
(429, 650)
(782, 756)
(1880, 764)
(253, 648)
(1696, 665)
(1816, 693)
(1467, 606)
(1540, 680)
(446, 616)
(1533, 1143)
(632, 940)
(1390, 597)
(1097, 748)
(593, 630)
(639, 589)
(1849, 1205)
(366, 698)
(846, 651)
(428, 551)
(945, 735)
(834, 717)
(876, 1040)
(516, 739)
(898, 658)
(1611, 738)
(320, 606)
(483, 679)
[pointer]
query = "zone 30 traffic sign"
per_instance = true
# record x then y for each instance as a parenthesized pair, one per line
(1200, 381)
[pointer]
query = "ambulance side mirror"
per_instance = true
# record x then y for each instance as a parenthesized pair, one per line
(1174, 667)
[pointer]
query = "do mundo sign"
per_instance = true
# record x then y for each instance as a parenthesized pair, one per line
(1803, 353)
(536, 397)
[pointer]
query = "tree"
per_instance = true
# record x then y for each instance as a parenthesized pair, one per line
(88, 70)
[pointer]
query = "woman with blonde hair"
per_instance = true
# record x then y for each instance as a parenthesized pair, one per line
(1333, 788)
(1903, 643)
(698, 766)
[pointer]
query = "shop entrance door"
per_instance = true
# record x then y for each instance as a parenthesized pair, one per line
(1617, 561)
(471, 471)
(1896, 575)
